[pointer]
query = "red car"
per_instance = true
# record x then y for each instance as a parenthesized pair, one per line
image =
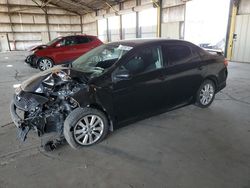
(61, 50)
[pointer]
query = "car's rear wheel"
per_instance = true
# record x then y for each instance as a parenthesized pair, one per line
(85, 127)
(45, 63)
(205, 94)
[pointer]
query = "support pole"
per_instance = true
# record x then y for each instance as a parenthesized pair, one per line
(138, 2)
(81, 24)
(232, 18)
(108, 32)
(159, 16)
(47, 22)
(96, 24)
(11, 27)
(120, 16)
(7, 35)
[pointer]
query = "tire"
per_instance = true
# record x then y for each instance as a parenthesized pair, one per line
(45, 63)
(78, 133)
(205, 94)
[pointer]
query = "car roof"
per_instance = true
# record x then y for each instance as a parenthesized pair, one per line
(81, 35)
(145, 41)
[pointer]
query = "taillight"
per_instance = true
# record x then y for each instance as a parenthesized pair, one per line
(226, 62)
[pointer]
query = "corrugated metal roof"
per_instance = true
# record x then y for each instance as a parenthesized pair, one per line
(83, 6)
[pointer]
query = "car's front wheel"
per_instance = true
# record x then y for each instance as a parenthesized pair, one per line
(85, 127)
(45, 63)
(205, 94)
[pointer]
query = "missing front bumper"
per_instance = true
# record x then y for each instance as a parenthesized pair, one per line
(23, 129)
(31, 60)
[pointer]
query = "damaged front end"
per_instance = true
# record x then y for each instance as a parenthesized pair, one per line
(43, 102)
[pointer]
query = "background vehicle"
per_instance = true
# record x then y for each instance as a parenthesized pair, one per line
(61, 50)
(114, 84)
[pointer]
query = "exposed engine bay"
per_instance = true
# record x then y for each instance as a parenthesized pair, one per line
(42, 105)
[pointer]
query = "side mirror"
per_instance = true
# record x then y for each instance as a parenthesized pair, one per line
(122, 75)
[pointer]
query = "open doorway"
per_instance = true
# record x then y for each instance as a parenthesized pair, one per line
(206, 23)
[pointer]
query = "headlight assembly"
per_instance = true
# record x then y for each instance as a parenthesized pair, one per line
(40, 89)
(49, 81)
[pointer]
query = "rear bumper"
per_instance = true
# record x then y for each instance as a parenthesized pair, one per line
(222, 79)
(221, 86)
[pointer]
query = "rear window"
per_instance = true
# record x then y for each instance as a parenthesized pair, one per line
(82, 40)
(91, 38)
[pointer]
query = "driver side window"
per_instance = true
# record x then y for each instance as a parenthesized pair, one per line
(145, 60)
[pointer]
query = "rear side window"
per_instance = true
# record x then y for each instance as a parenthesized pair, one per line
(82, 40)
(91, 38)
(177, 54)
(201, 52)
(196, 55)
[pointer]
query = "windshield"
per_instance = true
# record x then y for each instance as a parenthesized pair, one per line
(100, 59)
(53, 41)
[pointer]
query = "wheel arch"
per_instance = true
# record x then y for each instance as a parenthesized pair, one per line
(39, 58)
(209, 77)
(213, 79)
(99, 107)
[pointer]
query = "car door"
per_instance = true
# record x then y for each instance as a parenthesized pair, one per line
(183, 72)
(140, 92)
(65, 50)
(83, 45)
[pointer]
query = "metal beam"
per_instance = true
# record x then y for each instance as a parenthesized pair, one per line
(45, 3)
(11, 26)
(116, 12)
(85, 5)
(38, 4)
(74, 4)
(19, 10)
(68, 10)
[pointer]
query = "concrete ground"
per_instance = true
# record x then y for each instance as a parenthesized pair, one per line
(185, 148)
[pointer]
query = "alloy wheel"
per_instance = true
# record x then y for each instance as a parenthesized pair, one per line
(88, 130)
(45, 64)
(206, 94)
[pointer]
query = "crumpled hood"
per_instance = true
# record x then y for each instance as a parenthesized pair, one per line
(34, 82)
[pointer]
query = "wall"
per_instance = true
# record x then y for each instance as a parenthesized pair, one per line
(89, 24)
(173, 16)
(241, 42)
(145, 11)
(244, 7)
(25, 24)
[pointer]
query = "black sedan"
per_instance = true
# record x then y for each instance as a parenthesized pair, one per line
(115, 84)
